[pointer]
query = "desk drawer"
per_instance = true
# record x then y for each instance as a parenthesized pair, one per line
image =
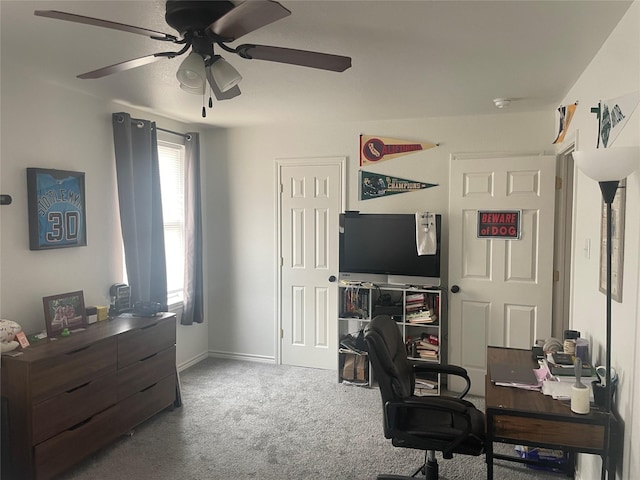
(143, 342)
(146, 403)
(60, 373)
(567, 433)
(66, 449)
(146, 372)
(69, 408)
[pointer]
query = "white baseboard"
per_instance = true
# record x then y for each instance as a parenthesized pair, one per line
(233, 356)
(191, 362)
(242, 356)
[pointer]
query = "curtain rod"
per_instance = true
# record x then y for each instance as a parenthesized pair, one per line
(183, 135)
(141, 123)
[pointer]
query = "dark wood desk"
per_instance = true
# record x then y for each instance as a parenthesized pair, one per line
(525, 417)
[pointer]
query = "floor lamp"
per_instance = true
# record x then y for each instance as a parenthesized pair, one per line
(608, 166)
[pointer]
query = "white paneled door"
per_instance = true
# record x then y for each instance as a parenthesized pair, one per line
(500, 290)
(311, 199)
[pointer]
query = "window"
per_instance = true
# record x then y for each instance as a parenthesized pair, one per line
(171, 160)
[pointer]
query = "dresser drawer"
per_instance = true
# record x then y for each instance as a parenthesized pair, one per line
(73, 406)
(146, 372)
(63, 372)
(69, 447)
(142, 405)
(143, 342)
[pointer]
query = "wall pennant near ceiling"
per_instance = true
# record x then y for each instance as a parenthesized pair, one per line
(379, 149)
(565, 115)
(374, 185)
(613, 116)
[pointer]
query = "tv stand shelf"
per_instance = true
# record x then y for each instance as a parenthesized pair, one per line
(418, 313)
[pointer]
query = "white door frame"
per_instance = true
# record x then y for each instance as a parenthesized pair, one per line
(302, 161)
(563, 241)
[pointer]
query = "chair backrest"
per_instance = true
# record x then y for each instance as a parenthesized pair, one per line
(388, 356)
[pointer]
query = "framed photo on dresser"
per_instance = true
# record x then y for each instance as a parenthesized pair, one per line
(65, 310)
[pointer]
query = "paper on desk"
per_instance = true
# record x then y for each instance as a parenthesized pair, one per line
(561, 390)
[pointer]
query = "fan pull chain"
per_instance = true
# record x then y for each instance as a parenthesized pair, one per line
(210, 99)
(204, 111)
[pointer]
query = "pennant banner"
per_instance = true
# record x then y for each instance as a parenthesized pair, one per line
(614, 115)
(374, 185)
(566, 115)
(379, 149)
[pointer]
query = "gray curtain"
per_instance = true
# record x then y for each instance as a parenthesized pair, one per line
(193, 289)
(138, 176)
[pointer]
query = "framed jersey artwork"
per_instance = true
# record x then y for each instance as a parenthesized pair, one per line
(57, 215)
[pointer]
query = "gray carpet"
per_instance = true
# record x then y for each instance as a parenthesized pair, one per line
(246, 420)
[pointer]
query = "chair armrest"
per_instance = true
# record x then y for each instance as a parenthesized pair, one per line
(442, 404)
(445, 369)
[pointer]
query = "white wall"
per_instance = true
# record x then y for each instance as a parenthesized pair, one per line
(242, 215)
(50, 126)
(614, 72)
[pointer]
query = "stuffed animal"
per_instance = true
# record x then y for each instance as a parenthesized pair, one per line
(8, 330)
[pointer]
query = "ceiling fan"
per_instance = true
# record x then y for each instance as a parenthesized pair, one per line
(202, 25)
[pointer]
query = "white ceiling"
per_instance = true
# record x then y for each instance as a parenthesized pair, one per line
(411, 59)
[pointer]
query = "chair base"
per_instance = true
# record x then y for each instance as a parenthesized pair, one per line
(429, 469)
(394, 477)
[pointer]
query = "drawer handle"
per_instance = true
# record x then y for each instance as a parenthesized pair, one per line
(149, 387)
(73, 352)
(78, 425)
(150, 326)
(148, 357)
(78, 387)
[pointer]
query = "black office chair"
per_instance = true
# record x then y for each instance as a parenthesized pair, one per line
(431, 423)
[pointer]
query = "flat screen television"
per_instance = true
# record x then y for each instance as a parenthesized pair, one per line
(381, 248)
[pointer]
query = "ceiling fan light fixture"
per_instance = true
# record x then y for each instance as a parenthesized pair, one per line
(193, 90)
(225, 76)
(502, 102)
(191, 73)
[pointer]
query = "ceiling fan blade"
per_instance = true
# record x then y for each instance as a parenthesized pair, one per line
(247, 17)
(122, 66)
(71, 17)
(304, 58)
(220, 95)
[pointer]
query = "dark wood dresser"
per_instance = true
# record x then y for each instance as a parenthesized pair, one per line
(69, 397)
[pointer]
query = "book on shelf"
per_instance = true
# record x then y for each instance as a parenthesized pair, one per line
(420, 316)
(415, 297)
(421, 321)
(431, 338)
(415, 307)
(427, 354)
(355, 303)
(428, 342)
(425, 386)
(427, 346)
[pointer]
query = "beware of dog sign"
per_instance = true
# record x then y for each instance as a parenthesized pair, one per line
(499, 224)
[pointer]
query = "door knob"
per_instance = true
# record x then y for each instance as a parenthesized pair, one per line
(455, 289)
(332, 278)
